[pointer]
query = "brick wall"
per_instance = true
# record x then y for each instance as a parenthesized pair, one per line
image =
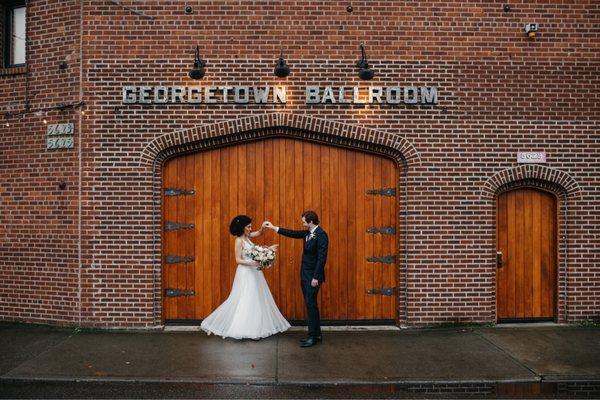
(499, 93)
(39, 241)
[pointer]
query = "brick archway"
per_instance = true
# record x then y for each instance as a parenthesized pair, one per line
(560, 184)
(551, 179)
(302, 127)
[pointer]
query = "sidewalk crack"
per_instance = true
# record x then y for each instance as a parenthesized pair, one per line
(277, 362)
(5, 375)
(509, 355)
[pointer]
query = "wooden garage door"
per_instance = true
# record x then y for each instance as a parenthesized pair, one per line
(526, 273)
(277, 179)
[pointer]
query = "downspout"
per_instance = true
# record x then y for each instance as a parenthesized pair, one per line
(153, 232)
(27, 52)
(566, 246)
(406, 244)
(80, 152)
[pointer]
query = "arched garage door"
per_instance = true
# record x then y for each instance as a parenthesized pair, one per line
(277, 179)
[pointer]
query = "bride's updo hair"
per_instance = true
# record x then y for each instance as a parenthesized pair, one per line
(238, 224)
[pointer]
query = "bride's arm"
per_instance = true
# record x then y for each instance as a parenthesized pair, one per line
(257, 233)
(239, 248)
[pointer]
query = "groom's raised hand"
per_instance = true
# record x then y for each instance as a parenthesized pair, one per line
(267, 224)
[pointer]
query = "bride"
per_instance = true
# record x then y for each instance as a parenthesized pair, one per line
(250, 311)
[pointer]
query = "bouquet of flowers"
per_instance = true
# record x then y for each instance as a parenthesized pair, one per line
(265, 256)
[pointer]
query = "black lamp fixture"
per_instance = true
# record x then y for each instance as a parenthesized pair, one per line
(198, 71)
(365, 73)
(281, 69)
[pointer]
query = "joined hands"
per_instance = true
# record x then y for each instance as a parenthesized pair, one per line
(269, 225)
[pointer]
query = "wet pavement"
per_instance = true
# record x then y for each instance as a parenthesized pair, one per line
(186, 390)
(494, 362)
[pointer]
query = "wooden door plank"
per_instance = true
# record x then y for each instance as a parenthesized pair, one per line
(235, 207)
(328, 221)
(251, 179)
(391, 211)
(379, 242)
(180, 236)
(389, 245)
(346, 249)
(219, 232)
(526, 249)
(512, 258)
(204, 231)
(219, 274)
(202, 287)
(287, 211)
(536, 254)
(299, 202)
(360, 262)
(548, 206)
(169, 214)
(188, 244)
(288, 208)
(333, 285)
(268, 201)
(370, 300)
(519, 254)
(503, 247)
(350, 265)
(275, 217)
(208, 250)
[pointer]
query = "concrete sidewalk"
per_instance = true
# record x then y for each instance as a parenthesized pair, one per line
(497, 354)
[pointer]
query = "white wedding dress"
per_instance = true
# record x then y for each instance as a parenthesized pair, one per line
(250, 311)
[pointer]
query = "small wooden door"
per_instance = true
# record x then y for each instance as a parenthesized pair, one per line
(278, 179)
(526, 263)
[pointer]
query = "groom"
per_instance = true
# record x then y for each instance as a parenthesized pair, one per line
(312, 270)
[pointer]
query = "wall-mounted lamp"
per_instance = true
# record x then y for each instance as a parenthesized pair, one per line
(198, 71)
(365, 73)
(530, 30)
(281, 69)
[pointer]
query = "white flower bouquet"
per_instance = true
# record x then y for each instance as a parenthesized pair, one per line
(265, 256)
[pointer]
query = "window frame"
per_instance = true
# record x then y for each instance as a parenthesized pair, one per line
(7, 43)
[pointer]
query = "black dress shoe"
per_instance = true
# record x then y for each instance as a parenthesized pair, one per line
(319, 339)
(309, 342)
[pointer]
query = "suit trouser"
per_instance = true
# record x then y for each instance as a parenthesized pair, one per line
(310, 299)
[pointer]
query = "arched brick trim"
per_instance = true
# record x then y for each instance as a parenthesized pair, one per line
(550, 187)
(554, 180)
(302, 127)
(252, 127)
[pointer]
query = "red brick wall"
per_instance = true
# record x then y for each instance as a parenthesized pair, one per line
(39, 238)
(499, 93)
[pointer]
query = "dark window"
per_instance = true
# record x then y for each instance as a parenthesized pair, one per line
(14, 38)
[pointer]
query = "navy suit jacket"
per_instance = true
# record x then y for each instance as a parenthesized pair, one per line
(314, 254)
